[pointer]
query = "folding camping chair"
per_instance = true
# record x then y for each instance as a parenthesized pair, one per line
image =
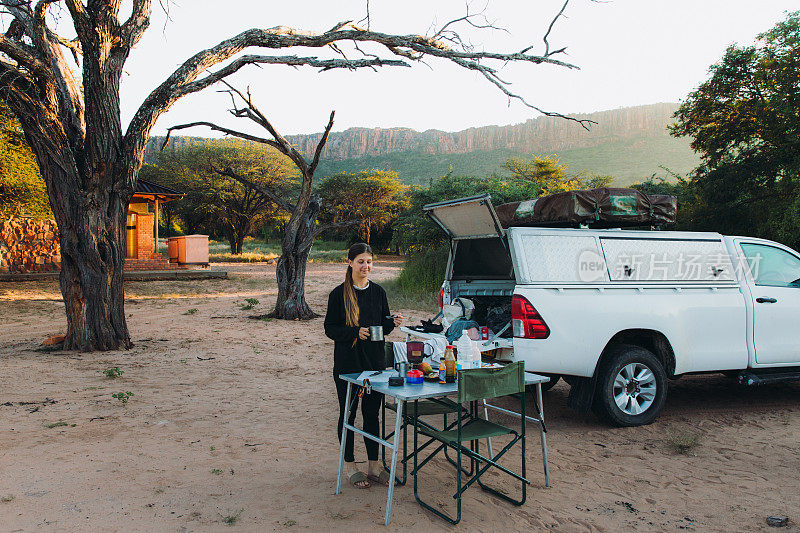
(475, 385)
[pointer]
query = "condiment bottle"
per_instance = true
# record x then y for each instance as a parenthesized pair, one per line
(450, 365)
(442, 371)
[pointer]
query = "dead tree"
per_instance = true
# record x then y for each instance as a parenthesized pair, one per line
(65, 93)
(302, 228)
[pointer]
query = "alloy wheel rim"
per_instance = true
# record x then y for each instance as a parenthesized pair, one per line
(634, 388)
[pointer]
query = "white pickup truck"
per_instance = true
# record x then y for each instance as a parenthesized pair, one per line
(618, 312)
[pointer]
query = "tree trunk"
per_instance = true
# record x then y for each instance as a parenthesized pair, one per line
(235, 240)
(92, 283)
(291, 267)
(91, 223)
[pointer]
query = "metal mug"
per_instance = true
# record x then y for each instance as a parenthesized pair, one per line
(376, 333)
(402, 368)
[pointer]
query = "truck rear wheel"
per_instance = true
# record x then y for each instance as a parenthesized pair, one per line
(631, 387)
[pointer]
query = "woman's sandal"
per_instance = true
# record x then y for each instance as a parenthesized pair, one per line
(382, 478)
(360, 480)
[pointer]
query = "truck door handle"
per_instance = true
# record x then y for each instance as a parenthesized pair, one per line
(766, 300)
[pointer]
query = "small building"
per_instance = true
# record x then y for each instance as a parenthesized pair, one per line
(29, 245)
(141, 233)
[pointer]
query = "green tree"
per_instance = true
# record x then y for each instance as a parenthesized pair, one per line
(550, 175)
(745, 124)
(22, 190)
(215, 201)
(376, 197)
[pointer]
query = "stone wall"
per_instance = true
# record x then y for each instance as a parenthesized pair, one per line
(28, 245)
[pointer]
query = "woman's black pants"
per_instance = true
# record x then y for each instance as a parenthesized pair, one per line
(370, 408)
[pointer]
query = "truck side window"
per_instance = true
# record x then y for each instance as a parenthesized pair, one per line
(772, 266)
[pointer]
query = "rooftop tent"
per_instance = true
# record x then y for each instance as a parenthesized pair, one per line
(602, 207)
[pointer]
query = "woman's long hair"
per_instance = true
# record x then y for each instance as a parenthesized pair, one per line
(350, 300)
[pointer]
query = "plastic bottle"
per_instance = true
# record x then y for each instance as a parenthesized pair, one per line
(442, 371)
(464, 347)
(450, 365)
(476, 355)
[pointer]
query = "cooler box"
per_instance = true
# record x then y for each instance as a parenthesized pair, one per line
(193, 249)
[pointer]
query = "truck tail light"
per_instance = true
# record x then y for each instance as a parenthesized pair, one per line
(441, 298)
(526, 321)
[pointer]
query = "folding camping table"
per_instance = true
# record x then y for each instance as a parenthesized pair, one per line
(410, 393)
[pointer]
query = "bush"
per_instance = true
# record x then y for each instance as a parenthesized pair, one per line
(424, 272)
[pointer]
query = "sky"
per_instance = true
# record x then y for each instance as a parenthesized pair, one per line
(630, 52)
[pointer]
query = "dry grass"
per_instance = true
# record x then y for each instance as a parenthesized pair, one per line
(683, 442)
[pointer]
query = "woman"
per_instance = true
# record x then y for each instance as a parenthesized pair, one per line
(353, 306)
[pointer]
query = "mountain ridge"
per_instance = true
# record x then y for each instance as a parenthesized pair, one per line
(542, 134)
(630, 143)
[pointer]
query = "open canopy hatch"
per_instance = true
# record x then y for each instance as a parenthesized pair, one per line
(473, 217)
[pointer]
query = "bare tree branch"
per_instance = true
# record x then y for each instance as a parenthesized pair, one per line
(80, 19)
(222, 129)
(454, 37)
(323, 64)
(550, 28)
(138, 22)
(23, 54)
(491, 75)
(229, 172)
(22, 14)
(547, 52)
(309, 241)
(41, 8)
(366, 16)
(339, 26)
(253, 113)
(321, 144)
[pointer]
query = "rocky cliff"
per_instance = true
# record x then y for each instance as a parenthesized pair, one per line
(540, 135)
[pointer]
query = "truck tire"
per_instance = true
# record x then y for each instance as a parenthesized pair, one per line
(631, 387)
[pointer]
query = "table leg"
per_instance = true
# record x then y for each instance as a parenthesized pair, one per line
(542, 433)
(397, 424)
(344, 437)
(488, 439)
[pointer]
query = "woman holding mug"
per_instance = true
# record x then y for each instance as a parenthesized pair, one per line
(353, 306)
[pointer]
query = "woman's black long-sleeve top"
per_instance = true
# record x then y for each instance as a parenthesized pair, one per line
(373, 310)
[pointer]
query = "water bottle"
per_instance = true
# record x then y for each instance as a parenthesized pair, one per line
(476, 355)
(464, 347)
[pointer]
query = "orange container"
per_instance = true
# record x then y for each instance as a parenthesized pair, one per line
(172, 249)
(193, 249)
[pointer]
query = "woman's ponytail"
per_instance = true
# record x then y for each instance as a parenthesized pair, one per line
(351, 310)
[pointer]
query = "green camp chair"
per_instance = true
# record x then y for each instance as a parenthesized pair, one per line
(442, 407)
(475, 385)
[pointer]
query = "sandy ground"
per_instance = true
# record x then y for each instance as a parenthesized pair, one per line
(233, 417)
